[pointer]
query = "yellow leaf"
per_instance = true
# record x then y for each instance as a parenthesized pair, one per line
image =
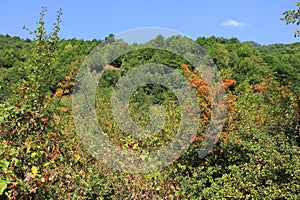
(77, 157)
(33, 154)
(4, 144)
(43, 180)
(34, 170)
(135, 146)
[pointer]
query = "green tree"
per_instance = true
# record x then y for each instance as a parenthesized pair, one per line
(42, 63)
(293, 17)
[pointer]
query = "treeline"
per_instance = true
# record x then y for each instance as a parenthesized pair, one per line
(240, 61)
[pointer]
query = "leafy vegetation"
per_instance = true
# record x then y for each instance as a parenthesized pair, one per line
(42, 157)
(293, 17)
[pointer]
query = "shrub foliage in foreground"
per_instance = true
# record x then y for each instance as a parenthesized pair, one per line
(257, 156)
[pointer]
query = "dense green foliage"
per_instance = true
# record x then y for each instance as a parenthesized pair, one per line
(41, 156)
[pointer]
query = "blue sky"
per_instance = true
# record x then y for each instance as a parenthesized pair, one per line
(256, 20)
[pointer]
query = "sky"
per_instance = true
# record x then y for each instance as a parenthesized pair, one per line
(247, 20)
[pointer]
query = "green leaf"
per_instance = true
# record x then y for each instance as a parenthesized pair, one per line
(4, 164)
(3, 186)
